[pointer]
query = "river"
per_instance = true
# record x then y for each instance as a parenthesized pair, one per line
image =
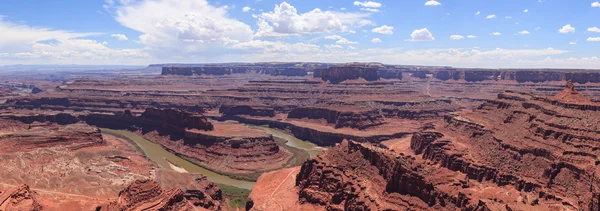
(292, 141)
(159, 155)
(162, 157)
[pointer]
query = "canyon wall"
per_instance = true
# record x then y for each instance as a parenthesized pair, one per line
(358, 120)
(337, 74)
(226, 70)
(178, 118)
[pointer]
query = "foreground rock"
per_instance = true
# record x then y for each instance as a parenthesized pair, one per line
(148, 195)
(19, 198)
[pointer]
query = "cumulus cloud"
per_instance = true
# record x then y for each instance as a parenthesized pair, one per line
(593, 39)
(246, 9)
(181, 24)
(478, 12)
(276, 47)
(334, 47)
(490, 16)
(524, 32)
(471, 36)
(376, 40)
(526, 10)
(345, 41)
(285, 20)
(496, 33)
(421, 35)
(385, 29)
(572, 43)
(119, 36)
(432, 3)
(369, 9)
(456, 37)
(23, 44)
(333, 37)
(567, 29)
(594, 29)
(369, 4)
(596, 4)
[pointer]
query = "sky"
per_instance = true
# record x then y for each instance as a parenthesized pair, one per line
(459, 33)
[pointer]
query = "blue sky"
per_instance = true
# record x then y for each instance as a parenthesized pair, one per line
(529, 33)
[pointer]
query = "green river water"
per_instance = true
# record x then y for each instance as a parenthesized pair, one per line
(159, 155)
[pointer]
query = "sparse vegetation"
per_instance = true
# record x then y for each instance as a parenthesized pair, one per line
(237, 196)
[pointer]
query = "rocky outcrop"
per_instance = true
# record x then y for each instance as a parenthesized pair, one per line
(390, 73)
(359, 120)
(20, 198)
(333, 180)
(321, 138)
(148, 195)
(285, 71)
(205, 70)
(520, 76)
(60, 118)
(47, 134)
(338, 74)
(246, 110)
(231, 148)
(185, 71)
(177, 118)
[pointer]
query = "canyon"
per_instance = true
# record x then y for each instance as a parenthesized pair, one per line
(382, 137)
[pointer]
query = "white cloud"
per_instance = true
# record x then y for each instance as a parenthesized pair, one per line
(456, 37)
(490, 16)
(284, 20)
(343, 8)
(352, 32)
(567, 29)
(478, 12)
(369, 4)
(333, 37)
(421, 35)
(369, 9)
(594, 29)
(593, 39)
(119, 36)
(526, 10)
(246, 9)
(181, 26)
(538, 28)
(596, 4)
(376, 40)
(524, 32)
(276, 47)
(496, 33)
(334, 47)
(432, 3)
(354, 19)
(471, 36)
(508, 17)
(351, 48)
(572, 43)
(385, 29)
(23, 44)
(345, 41)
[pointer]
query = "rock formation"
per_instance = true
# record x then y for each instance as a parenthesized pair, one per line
(177, 118)
(19, 198)
(337, 74)
(358, 120)
(148, 195)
